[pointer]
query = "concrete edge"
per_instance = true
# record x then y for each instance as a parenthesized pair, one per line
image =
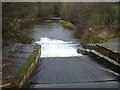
(25, 76)
(86, 85)
(107, 48)
(105, 51)
(28, 73)
(112, 54)
(103, 59)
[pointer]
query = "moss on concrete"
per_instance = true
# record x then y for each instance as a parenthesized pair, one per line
(29, 61)
(36, 51)
(23, 68)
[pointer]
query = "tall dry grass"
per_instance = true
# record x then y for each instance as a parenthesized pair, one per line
(98, 34)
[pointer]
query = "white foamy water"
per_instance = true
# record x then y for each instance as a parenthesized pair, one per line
(57, 48)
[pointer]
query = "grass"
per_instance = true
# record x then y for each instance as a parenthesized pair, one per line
(95, 39)
(66, 24)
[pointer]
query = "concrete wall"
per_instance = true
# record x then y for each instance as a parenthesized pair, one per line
(112, 54)
(107, 52)
(103, 59)
(28, 73)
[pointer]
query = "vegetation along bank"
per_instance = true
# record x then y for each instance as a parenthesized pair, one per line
(95, 22)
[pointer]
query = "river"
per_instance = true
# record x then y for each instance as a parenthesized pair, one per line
(55, 40)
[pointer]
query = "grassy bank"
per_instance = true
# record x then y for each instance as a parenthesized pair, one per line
(66, 24)
(96, 34)
(99, 35)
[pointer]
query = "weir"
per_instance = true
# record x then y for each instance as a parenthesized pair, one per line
(61, 65)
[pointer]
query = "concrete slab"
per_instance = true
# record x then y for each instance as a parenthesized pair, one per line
(70, 70)
(112, 44)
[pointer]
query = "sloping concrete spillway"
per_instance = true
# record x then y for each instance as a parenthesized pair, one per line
(61, 65)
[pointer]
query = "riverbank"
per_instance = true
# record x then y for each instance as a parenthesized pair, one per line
(20, 35)
(67, 24)
(16, 61)
(97, 34)
(17, 34)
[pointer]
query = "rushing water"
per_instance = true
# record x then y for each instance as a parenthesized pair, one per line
(55, 40)
(57, 48)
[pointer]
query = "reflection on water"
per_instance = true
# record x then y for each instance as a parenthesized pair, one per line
(57, 48)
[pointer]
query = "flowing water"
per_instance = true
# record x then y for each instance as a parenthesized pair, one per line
(55, 40)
